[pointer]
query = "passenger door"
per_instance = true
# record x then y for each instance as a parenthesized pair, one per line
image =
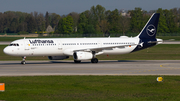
(26, 45)
(59, 45)
(99, 44)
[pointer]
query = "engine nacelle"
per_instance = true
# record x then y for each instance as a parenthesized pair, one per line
(82, 55)
(57, 57)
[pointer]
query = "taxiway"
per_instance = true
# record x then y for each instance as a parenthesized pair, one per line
(104, 67)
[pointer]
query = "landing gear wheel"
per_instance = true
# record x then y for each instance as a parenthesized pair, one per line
(95, 60)
(23, 62)
(76, 61)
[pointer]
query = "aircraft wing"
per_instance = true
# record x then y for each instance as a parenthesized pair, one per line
(98, 49)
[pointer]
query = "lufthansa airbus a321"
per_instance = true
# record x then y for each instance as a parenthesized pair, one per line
(85, 48)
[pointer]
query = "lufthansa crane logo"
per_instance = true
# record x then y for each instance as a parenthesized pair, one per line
(151, 30)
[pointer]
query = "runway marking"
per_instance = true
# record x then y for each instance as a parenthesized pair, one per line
(166, 66)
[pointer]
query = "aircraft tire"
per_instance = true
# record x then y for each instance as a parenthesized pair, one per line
(23, 62)
(95, 60)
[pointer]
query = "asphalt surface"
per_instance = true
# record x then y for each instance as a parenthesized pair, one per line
(104, 67)
(5, 42)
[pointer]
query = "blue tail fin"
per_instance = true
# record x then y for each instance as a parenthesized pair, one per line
(147, 37)
(150, 29)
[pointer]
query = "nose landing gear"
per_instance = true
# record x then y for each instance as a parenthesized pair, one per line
(23, 61)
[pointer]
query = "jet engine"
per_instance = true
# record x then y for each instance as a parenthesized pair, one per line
(57, 57)
(82, 55)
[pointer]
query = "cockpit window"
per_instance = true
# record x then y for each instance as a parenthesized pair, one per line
(14, 44)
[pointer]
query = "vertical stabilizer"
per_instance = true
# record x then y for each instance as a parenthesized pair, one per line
(150, 29)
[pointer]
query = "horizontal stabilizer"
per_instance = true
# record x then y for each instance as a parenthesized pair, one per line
(158, 41)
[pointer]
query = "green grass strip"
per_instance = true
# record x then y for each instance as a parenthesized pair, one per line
(90, 88)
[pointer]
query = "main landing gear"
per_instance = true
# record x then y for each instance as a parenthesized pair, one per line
(94, 60)
(23, 61)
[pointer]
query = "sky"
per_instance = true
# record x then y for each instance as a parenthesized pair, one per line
(64, 7)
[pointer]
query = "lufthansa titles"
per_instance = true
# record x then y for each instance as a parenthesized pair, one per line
(40, 41)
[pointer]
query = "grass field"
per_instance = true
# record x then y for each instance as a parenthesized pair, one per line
(159, 52)
(90, 88)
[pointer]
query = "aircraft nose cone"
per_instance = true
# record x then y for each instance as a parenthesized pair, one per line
(6, 51)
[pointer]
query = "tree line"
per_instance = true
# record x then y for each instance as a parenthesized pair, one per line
(14, 22)
(97, 20)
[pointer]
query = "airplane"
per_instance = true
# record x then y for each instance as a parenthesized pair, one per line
(85, 48)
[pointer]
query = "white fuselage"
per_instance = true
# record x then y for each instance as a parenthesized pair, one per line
(66, 46)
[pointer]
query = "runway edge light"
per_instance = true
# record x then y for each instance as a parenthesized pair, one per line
(159, 79)
(2, 87)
